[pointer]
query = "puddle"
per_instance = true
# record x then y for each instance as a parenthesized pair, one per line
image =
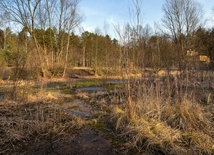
(91, 89)
(112, 82)
(80, 113)
(78, 108)
(2, 96)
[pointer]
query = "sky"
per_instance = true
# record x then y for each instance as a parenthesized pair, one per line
(98, 13)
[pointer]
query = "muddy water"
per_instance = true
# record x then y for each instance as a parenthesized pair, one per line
(2, 96)
(78, 108)
(117, 81)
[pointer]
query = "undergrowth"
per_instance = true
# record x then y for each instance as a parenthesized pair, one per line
(28, 124)
(161, 117)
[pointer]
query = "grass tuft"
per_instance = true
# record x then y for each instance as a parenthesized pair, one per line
(27, 124)
(154, 122)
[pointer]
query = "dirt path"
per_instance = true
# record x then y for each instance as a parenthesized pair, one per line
(89, 140)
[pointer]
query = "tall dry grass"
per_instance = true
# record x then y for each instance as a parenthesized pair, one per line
(23, 125)
(162, 115)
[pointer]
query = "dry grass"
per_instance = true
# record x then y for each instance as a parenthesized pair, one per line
(154, 121)
(22, 125)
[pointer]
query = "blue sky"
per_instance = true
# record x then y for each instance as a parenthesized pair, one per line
(98, 12)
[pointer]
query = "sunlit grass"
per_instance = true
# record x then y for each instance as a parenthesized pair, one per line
(28, 124)
(154, 122)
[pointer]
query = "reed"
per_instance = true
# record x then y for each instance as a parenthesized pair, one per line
(162, 115)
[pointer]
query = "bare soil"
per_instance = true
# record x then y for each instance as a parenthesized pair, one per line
(86, 142)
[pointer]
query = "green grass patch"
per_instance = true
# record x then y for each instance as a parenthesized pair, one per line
(97, 82)
(113, 86)
(87, 83)
(66, 91)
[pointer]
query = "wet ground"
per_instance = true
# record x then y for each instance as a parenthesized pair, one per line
(78, 108)
(87, 140)
(2, 96)
(91, 89)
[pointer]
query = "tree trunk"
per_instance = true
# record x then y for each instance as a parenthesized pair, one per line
(66, 57)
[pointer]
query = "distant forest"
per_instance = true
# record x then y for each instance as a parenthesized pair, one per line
(47, 46)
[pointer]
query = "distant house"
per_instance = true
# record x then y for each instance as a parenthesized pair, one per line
(191, 53)
(195, 59)
(204, 58)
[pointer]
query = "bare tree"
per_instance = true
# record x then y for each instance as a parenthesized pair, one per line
(181, 20)
(106, 28)
(71, 20)
(213, 12)
(136, 22)
(60, 14)
(24, 12)
(4, 19)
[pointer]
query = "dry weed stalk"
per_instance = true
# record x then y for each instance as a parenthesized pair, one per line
(25, 124)
(161, 117)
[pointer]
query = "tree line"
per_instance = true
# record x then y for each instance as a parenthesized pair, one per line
(46, 43)
(87, 50)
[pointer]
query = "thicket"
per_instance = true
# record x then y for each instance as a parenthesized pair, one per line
(45, 43)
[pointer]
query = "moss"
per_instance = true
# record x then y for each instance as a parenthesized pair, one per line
(97, 82)
(66, 91)
(113, 86)
(56, 84)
